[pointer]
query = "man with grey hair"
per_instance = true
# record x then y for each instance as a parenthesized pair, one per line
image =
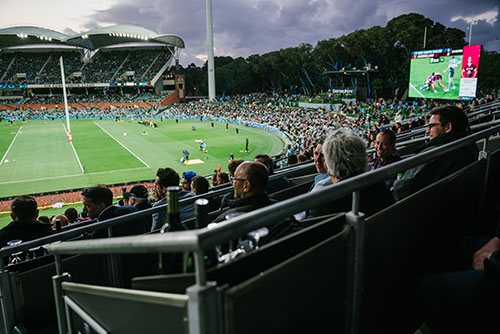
(345, 157)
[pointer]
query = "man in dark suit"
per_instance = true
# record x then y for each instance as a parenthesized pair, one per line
(24, 225)
(98, 203)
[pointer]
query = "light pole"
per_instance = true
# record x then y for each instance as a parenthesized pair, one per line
(470, 30)
(210, 60)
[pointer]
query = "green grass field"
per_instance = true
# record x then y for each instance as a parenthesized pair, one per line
(422, 68)
(41, 159)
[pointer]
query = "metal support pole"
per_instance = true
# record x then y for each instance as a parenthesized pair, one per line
(6, 302)
(470, 31)
(113, 264)
(356, 220)
(210, 46)
(425, 36)
(57, 281)
(204, 309)
(483, 154)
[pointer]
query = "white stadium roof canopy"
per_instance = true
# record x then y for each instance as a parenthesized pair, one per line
(93, 39)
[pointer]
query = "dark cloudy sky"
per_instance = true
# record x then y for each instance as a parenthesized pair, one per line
(245, 27)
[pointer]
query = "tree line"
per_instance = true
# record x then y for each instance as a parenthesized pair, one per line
(301, 69)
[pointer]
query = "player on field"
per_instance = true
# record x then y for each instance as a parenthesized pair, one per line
(429, 83)
(452, 67)
(470, 70)
(438, 78)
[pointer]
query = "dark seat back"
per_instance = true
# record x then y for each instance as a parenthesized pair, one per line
(124, 311)
(253, 263)
(402, 242)
(304, 294)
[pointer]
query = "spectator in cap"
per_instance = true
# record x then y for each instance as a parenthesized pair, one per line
(138, 198)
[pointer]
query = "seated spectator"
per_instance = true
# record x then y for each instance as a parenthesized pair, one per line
(98, 203)
(291, 159)
(63, 220)
(302, 158)
(222, 178)
(231, 167)
(276, 184)
(138, 198)
(44, 219)
(199, 185)
(447, 124)
(345, 157)
(385, 149)
(24, 225)
(71, 214)
(214, 179)
(124, 200)
(465, 300)
(249, 182)
(187, 177)
(233, 164)
(321, 180)
(167, 177)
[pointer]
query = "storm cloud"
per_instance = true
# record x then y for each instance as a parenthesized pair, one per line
(243, 28)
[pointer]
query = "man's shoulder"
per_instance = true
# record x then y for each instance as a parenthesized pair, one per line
(115, 211)
(125, 209)
(160, 202)
(185, 194)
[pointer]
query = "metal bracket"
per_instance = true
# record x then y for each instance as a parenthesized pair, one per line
(57, 281)
(204, 309)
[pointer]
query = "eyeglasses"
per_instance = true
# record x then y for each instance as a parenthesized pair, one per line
(430, 125)
(237, 179)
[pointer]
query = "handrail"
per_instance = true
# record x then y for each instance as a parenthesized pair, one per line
(204, 239)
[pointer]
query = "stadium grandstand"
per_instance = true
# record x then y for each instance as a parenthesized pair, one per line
(333, 234)
(121, 60)
(362, 267)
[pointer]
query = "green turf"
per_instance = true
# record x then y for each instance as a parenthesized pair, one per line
(422, 68)
(41, 158)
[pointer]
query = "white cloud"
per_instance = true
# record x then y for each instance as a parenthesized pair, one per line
(202, 57)
(489, 17)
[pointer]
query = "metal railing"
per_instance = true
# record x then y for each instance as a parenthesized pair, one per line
(203, 239)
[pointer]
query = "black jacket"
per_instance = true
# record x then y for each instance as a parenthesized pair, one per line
(25, 230)
(137, 226)
(245, 204)
(423, 175)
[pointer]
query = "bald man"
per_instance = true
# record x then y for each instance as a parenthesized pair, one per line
(249, 183)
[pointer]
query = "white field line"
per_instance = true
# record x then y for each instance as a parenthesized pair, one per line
(65, 176)
(422, 95)
(76, 155)
(125, 147)
(13, 140)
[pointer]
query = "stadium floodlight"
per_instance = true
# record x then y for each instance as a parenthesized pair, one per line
(470, 30)
(210, 47)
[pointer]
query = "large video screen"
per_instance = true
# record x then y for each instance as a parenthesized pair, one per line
(444, 73)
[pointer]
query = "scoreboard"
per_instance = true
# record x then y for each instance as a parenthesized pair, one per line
(449, 74)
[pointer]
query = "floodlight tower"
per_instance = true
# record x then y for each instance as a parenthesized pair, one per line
(65, 98)
(210, 44)
(470, 30)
